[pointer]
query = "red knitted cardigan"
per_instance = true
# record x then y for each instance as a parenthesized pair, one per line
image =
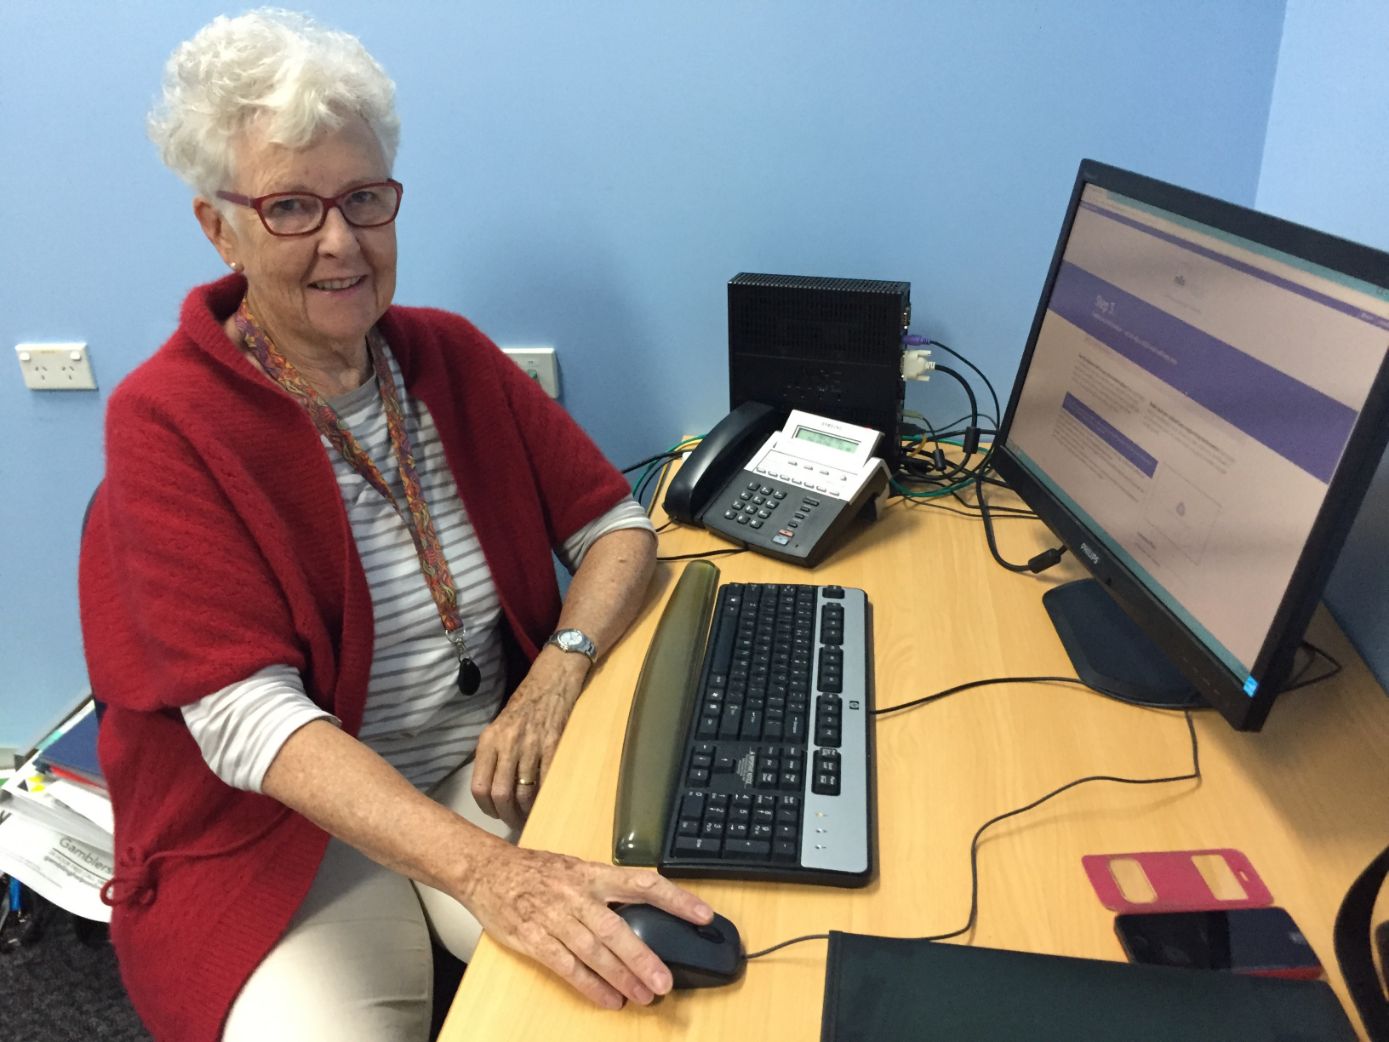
(218, 545)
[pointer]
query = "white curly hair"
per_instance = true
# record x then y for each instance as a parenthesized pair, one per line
(276, 69)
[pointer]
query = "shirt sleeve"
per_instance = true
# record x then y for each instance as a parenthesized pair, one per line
(241, 728)
(626, 514)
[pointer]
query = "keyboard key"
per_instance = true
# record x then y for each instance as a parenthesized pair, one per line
(747, 848)
(697, 846)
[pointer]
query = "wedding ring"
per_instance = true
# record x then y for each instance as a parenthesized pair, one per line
(524, 781)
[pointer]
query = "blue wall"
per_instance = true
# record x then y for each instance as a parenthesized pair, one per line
(590, 175)
(1324, 165)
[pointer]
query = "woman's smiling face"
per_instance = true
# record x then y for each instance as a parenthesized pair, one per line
(324, 290)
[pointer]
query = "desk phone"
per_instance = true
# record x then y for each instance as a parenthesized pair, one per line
(787, 493)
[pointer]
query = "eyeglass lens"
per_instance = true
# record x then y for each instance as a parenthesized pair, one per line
(292, 214)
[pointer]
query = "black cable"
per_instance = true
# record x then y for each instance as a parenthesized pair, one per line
(706, 553)
(783, 944)
(659, 476)
(884, 710)
(1040, 563)
(969, 393)
(950, 350)
(1298, 682)
(973, 513)
(1193, 775)
(995, 511)
(648, 460)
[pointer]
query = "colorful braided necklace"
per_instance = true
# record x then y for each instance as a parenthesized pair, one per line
(416, 517)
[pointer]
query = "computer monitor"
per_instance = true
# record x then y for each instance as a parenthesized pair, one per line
(1201, 405)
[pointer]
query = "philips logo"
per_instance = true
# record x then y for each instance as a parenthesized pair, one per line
(1090, 555)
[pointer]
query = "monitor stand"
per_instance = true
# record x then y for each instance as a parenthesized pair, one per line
(1111, 653)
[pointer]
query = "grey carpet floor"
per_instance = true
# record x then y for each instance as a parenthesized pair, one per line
(60, 989)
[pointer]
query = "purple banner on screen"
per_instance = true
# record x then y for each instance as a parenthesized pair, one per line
(1342, 306)
(1115, 438)
(1298, 422)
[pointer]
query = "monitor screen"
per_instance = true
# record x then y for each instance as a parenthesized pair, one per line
(1199, 409)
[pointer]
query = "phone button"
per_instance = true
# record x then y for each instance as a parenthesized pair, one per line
(755, 523)
(781, 540)
(729, 515)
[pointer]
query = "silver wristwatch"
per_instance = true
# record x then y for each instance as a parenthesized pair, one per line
(574, 640)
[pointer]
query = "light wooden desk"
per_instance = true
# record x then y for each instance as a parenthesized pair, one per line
(1307, 799)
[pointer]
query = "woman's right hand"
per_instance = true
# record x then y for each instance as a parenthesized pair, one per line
(555, 909)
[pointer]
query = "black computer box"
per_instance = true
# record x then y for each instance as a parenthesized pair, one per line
(828, 346)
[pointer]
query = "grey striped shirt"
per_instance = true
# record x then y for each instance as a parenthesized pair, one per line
(415, 716)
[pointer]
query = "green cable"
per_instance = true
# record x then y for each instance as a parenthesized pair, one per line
(656, 464)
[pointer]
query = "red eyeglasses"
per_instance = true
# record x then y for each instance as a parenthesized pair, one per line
(303, 213)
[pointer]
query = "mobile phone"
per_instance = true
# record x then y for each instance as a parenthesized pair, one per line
(1260, 941)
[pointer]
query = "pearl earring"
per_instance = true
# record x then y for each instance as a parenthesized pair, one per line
(234, 265)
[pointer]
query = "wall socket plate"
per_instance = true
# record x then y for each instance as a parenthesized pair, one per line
(539, 364)
(56, 367)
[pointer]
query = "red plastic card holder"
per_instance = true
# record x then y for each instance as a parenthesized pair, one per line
(1176, 881)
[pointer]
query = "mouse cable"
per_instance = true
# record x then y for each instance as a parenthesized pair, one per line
(784, 944)
(1193, 775)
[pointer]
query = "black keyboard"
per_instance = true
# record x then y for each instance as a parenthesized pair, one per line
(775, 773)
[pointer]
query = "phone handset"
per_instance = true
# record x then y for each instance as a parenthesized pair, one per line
(718, 457)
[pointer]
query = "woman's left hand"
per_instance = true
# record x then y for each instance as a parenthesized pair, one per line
(517, 747)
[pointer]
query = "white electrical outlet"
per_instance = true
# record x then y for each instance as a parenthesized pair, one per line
(539, 364)
(56, 367)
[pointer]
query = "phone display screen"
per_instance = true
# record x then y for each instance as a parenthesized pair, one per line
(1243, 940)
(828, 440)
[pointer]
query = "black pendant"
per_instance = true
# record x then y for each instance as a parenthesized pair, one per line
(469, 676)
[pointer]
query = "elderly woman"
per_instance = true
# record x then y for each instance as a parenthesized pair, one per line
(318, 597)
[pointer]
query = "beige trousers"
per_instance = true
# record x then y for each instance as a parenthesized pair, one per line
(355, 964)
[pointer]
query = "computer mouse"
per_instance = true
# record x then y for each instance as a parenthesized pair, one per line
(697, 956)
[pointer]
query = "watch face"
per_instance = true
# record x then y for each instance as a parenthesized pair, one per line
(573, 640)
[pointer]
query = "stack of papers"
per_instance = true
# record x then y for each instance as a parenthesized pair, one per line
(55, 820)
